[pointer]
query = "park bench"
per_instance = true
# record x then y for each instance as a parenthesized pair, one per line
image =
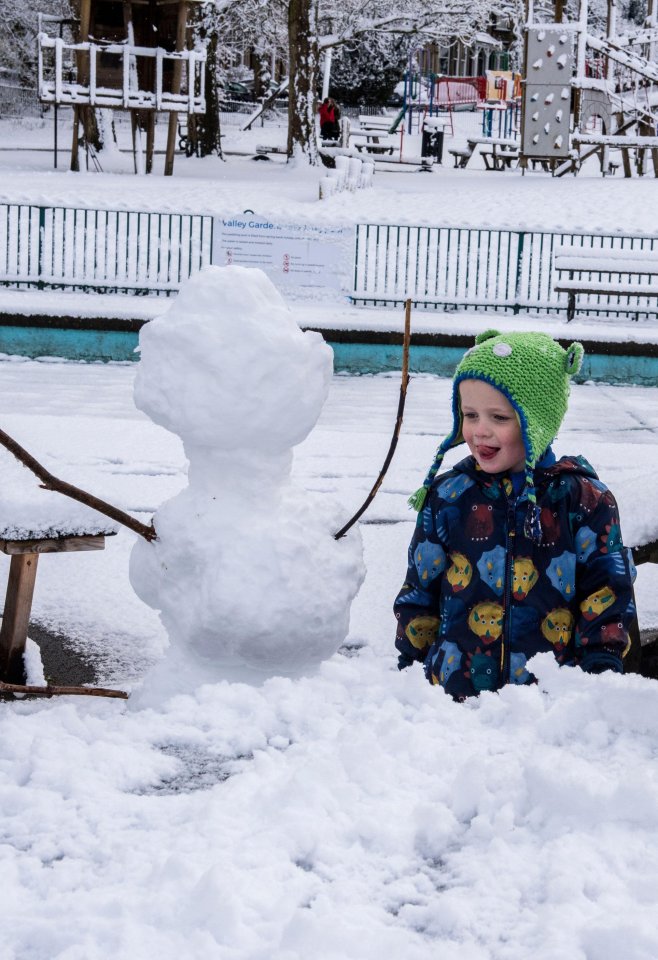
(462, 156)
(606, 273)
(263, 151)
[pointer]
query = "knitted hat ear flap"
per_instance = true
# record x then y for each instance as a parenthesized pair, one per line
(417, 500)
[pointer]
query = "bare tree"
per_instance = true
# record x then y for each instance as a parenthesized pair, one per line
(314, 26)
(18, 37)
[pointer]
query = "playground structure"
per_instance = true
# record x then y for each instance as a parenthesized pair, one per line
(586, 95)
(124, 56)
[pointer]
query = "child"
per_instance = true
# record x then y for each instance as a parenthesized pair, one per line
(514, 552)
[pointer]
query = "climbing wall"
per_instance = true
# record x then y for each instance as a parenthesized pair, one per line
(547, 92)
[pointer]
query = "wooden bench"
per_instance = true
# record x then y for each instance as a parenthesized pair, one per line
(606, 273)
(20, 591)
(263, 151)
(461, 156)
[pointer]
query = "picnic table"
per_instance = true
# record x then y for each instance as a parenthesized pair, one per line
(373, 143)
(374, 133)
(632, 149)
(501, 154)
(503, 151)
(25, 555)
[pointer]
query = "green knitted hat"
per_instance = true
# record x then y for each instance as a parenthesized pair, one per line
(533, 372)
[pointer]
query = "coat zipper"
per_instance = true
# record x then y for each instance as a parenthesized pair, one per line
(510, 534)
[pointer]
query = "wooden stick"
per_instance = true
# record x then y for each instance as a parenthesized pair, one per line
(398, 424)
(49, 482)
(53, 691)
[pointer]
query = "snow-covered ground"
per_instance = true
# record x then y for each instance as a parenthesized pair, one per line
(354, 813)
(471, 197)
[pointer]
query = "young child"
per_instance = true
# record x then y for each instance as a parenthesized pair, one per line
(514, 552)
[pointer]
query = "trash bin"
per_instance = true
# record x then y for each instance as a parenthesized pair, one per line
(432, 144)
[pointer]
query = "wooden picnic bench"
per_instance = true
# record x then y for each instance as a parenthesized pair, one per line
(499, 160)
(503, 151)
(632, 149)
(20, 591)
(462, 156)
(375, 122)
(606, 273)
(373, 145)
(375, 133)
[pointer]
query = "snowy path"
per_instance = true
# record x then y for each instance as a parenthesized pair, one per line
(350, 815)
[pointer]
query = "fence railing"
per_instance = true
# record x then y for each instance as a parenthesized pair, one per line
(437, 267)
(483, 269)
(101, 250)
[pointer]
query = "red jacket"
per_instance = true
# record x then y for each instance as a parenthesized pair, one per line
(326, 113)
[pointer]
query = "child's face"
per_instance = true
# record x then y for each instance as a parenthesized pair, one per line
(491, 428)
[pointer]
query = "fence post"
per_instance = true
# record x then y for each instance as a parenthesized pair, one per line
(40, 248)
(519, 265)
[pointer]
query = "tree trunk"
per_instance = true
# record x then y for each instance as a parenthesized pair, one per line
(210, 130)
(303, 76)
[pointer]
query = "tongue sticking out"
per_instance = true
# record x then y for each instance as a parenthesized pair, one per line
(487, 452)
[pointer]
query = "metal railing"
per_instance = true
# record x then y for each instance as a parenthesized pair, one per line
(101, 250)
(73, 248)
(484, 269)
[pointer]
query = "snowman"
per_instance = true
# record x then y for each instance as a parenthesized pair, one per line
(245, 573)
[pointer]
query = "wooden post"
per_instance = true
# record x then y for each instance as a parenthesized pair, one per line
(18, 603)
(150, 140)
(82, 64)
(133, 130)
(175, 87)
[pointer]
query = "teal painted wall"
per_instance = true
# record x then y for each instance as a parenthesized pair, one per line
(360, 358)
(70, 344)
(355, 358)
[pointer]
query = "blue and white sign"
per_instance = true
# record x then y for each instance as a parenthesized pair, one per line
(295, 256)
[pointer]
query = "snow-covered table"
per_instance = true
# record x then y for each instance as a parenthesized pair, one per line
(20, 590)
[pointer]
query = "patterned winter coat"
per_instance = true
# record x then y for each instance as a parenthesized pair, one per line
(480, 599)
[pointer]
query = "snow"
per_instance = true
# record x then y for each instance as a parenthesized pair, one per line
(350, 813)
(229, 371)
(471, 197)
(30, 512)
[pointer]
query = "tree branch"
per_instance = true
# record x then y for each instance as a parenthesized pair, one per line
(55, 691)
(398, 424)
(49, 482)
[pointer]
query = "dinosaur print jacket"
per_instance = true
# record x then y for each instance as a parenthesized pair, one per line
(480, 599)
